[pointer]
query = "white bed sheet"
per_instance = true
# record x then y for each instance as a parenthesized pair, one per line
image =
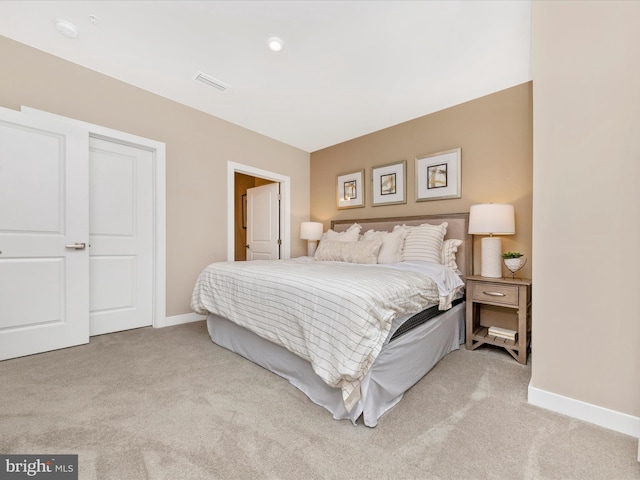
(399, 365)
(302, 305)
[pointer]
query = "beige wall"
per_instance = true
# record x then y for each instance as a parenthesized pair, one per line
(495, 134)
(586, 325)
(198, 147)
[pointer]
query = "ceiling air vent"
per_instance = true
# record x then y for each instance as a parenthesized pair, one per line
(212, 82)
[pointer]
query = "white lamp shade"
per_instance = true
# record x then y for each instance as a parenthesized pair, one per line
(311, 230)
(492, 219)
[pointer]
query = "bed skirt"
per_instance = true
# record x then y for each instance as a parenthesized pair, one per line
(399, 366)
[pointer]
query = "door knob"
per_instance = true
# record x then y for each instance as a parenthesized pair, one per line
(76, 246)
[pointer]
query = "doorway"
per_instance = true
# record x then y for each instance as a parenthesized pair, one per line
(75, 168)
(233, 198)
(242, 183)
(158, 192)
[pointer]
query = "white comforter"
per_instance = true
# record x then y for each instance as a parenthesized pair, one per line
(334, 315)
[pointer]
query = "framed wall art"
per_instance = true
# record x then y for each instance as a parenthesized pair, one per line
(438, 176)
(388, 184)
(350, 190)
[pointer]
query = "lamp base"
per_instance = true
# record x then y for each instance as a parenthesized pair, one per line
(311, 247)
(491, 258)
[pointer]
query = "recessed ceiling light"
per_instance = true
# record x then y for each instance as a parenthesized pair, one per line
(275, 44)
(67, 28)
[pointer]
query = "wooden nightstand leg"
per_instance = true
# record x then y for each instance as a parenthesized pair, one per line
(470, 318)
(522, 330)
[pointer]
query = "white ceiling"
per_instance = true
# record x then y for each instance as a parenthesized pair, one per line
(348, 68)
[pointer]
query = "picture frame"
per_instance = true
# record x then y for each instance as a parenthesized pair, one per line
(438, 175)
(350, 190)
(389, 184)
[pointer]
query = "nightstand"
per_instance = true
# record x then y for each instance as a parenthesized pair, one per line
(511, 298)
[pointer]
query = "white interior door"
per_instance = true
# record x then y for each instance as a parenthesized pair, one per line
(44, 217)
(263, 222)
(121, 236)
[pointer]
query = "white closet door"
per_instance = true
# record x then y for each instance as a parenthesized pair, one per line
(121, 236)
(263, 222)
(44, 214)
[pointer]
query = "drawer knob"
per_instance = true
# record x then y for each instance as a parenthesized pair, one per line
(494, 294)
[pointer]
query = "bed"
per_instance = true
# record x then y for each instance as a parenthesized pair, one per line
(290, 316)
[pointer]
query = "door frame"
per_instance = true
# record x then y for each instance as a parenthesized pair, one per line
(285, 205)
(158, 150)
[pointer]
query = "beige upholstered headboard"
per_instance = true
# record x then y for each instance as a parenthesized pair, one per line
(457, 228)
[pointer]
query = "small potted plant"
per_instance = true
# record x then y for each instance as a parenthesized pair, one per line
(514, 261)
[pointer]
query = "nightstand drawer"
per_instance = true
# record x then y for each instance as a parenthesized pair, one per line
(495, 293)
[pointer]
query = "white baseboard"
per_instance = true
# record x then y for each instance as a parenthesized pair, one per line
(617, 421)
(179, 320)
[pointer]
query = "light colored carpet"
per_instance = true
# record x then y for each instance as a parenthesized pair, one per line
(169, 404)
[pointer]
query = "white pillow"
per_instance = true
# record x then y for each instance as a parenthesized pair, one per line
(351, 234)
(449, 250)
(364, 251)
(391, 249)
(424, 243)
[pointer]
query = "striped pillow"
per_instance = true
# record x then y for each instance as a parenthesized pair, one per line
(449, 250)
(424, 243)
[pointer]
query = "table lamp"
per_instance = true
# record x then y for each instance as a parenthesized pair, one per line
(491, 219)
(312, 232)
